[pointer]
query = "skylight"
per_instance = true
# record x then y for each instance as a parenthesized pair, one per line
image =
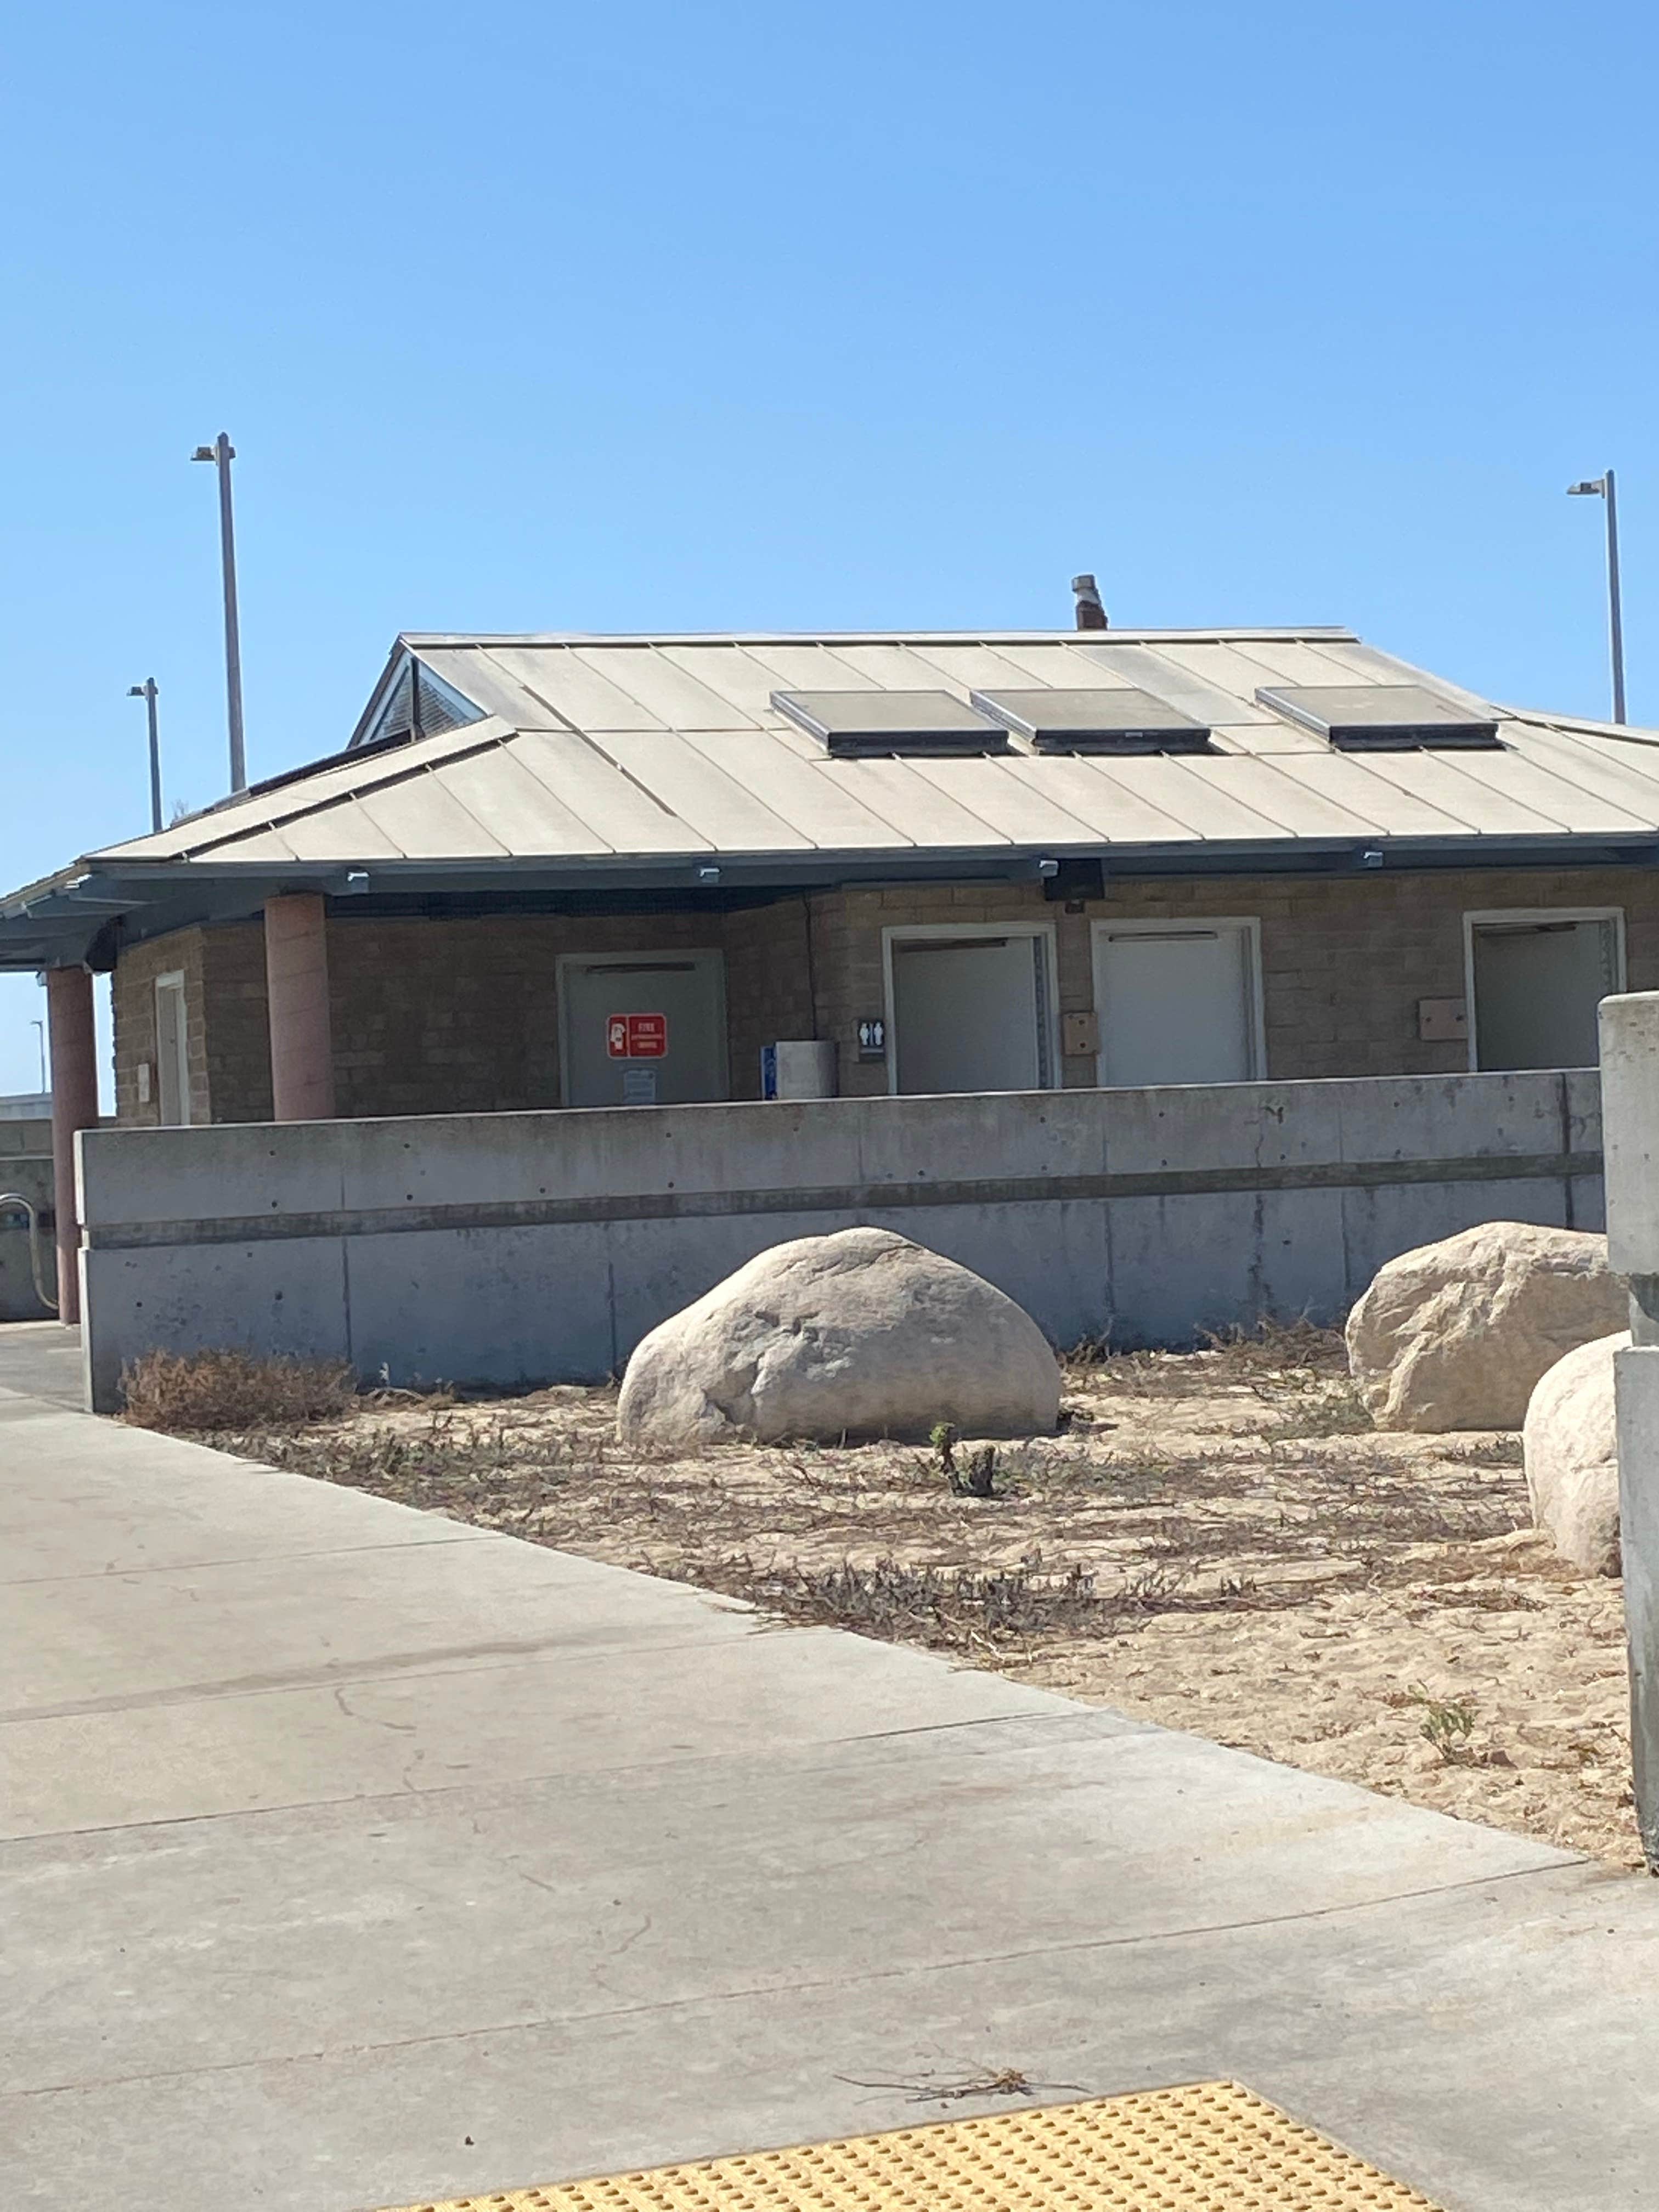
(1381, 717)
(859, 722)
(1094, 721)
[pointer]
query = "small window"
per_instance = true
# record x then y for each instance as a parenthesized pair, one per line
(172, 1053)
(853, 723)
(1099, 720)
(1381, 717)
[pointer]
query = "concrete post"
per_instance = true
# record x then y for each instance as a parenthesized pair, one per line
(1630, 1123)
(74, 1108)
(296, 976)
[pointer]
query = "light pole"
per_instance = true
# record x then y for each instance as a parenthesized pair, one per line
(222, 453)
(1602, 487)
(146, 691)
(40, 1029)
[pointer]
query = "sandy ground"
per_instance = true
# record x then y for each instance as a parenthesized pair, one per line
(1217, 1541)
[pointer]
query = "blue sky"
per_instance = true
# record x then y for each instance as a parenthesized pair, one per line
(707, 316)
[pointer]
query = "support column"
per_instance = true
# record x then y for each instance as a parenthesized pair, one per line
(74, 1108)
(1630, 1139)
(296, 977)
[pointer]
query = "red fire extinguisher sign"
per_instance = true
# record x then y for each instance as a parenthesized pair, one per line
(636, 1036)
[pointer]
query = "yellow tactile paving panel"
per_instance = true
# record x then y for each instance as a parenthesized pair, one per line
(1211, 2147)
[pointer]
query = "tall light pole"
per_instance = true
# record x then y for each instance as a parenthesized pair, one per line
(222, 453)
(146, 691)
(1602, 487)
(40, 1029)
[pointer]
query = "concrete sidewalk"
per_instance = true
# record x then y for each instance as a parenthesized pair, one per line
(356, 1856)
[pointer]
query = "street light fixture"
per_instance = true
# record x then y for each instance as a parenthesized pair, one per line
(146, 691)
(222, 453)
(1602, 487)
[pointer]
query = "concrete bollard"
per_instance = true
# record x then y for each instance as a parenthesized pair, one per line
(1629, 1119)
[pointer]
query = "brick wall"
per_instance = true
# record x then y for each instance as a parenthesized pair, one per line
(458, 1016)
(132, 997)
(453, 1016)
(461, 1017)
(1344, 959)
(770, 966)
(239, 1027)
(847, 939)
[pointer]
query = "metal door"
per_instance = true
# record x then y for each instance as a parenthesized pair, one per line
(172, 1053)
(1177, 1005)
(642, 1029)
(971, 1013)
(1537, 983)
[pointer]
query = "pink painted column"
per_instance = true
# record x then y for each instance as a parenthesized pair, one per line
(296, 977)
(74, 1107)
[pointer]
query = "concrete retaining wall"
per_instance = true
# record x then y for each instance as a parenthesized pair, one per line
(520, 1249)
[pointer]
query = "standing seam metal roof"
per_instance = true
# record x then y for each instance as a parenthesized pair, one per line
(590, 748)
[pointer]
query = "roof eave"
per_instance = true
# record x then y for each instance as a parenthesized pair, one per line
(133, 883)
(59, 922)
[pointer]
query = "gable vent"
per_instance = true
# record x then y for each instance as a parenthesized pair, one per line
(418, 705)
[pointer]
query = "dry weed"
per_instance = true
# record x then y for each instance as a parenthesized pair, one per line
(227, 1389)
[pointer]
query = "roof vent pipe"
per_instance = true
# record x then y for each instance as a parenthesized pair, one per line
(1091, 614)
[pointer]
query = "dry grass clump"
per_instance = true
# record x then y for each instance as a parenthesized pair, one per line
(1297, 1370)
(958, 1609)
(1268, 1353)
(194, 1391)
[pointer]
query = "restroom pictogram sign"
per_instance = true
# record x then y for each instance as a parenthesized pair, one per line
(636, 1036)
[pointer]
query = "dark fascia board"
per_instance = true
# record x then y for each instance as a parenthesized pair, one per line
(148, 899)
(153, 882)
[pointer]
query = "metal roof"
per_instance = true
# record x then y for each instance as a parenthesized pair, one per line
(633, 761)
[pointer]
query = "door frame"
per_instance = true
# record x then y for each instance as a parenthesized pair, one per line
(1249, 927)
(648, 956)
(929, 933)
(174, 981)
(1521, 917)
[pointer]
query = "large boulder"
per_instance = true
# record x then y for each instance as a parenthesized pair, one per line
(1571, 1448)
(1455, 1335)
(861, 1333)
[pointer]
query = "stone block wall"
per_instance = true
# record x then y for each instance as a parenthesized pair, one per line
(1344, 959)
(133, 999)
(447, 1016)
(771, 962)
(458, 1015)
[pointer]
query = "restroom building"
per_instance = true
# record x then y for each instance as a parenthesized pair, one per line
(567, 872)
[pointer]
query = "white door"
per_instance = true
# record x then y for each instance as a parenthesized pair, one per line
(642, 1029)
(970, 1013)
(1177, 1004)
(172, 1053)
(1536, 982)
